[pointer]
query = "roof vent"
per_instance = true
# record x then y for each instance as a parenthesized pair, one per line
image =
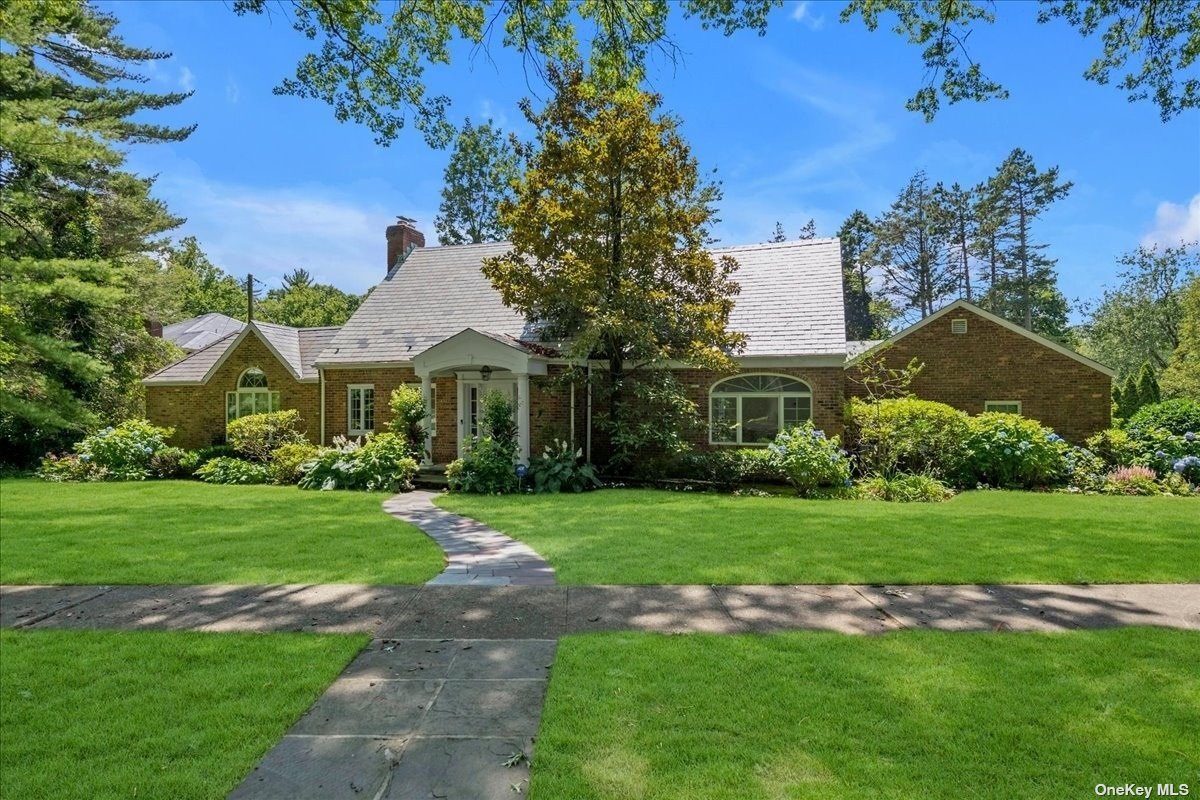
(958, 326)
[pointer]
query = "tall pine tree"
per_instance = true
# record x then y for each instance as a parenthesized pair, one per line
(856, 236)
(910, 247)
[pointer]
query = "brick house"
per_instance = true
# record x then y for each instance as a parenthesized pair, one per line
(437, 324)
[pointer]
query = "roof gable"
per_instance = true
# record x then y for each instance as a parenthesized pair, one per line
(294, 348)
(963, 305)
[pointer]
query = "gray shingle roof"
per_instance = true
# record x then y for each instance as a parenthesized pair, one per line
(199, 332)
(434, 294)
(790, 303)
(298, 347)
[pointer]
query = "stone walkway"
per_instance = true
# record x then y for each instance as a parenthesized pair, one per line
(446, 700)
(547, 612)
(476, 555)
(415, 718)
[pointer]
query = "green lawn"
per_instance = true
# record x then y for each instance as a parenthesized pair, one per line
(191, 532)
(642, 536)
(149, 714)
(918, 714)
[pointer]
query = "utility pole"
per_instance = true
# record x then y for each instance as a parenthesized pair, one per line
(249, 298)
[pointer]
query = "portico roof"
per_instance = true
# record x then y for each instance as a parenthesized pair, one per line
(474, 349)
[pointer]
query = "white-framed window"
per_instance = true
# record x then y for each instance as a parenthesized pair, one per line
(361, 407)
(252, 396)
(1003, 406)
(753, 409)
(432, 410)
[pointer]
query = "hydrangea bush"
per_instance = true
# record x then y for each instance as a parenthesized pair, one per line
(257, 436)
(1008, 450)
(811, 460)
(232, 471)
(124, 452)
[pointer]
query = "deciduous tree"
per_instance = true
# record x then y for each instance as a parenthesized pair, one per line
(610, 229)
(478, 177)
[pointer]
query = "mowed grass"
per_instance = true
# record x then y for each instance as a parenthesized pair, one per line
(915, 714)
(638, 536)
(191, 532)
(151, 714)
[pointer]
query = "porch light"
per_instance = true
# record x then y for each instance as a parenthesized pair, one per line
(485, 372)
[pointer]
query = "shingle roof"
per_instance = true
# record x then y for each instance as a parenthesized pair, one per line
(298, 348)
(790, 303)
(434, 294)
(199, 332)
(791, 298)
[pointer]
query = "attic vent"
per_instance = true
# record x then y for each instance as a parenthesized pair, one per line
(958, 326)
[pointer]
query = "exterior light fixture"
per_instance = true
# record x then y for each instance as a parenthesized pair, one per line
(485, 372)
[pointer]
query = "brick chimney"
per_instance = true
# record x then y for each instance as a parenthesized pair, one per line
(401, 238)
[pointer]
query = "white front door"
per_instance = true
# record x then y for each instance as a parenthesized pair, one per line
(469, 395)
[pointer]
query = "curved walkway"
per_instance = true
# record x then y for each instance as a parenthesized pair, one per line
(476, 555)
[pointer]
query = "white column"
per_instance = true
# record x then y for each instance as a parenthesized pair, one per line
(523, 415)
(427, 396)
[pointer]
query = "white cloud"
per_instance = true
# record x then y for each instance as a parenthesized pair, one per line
(802, 12)
(269, 231)
(855, 129)
(1175, 223)
(187, 81)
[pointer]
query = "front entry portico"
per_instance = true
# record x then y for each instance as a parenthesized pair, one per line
(481, 362)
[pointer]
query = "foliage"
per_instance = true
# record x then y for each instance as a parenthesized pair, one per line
(232, 471)
(1160, 37)
(74, 226)
(1114, 447)
(172, 462)
(256, 436)
(1182, 375)
(371, 67)
(124, 452)
(915, 488)
(382, 464)
(1147, 386)
(725, 467)
(1084, 470)
(810, 460)
(1146, 445)
(487, 465)
(662, 413)
(479, 176)
(610, 231)
(560, 469)
(881, 382)
(1008, 450)
(1141, 319)
(1132, 480)
(307, 305)
(910, 248)
(409, 419)
(70, 468)
(198, 286)
(1177, 416)
(288, 461)
(486, 468)
(856, 237)
(206, 454)
(1025, 289)
(907, 435)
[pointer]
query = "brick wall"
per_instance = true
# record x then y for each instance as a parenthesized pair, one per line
(197, 413)
(991, 362)
(386, 380)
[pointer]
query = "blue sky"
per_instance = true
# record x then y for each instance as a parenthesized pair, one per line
(807, 121)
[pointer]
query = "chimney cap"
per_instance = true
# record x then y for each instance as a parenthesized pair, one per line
(409, 221)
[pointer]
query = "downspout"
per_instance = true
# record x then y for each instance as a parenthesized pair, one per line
(572, 415)
(321, 373)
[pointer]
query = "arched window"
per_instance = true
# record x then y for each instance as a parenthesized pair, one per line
(752, 409)
(252, 396)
